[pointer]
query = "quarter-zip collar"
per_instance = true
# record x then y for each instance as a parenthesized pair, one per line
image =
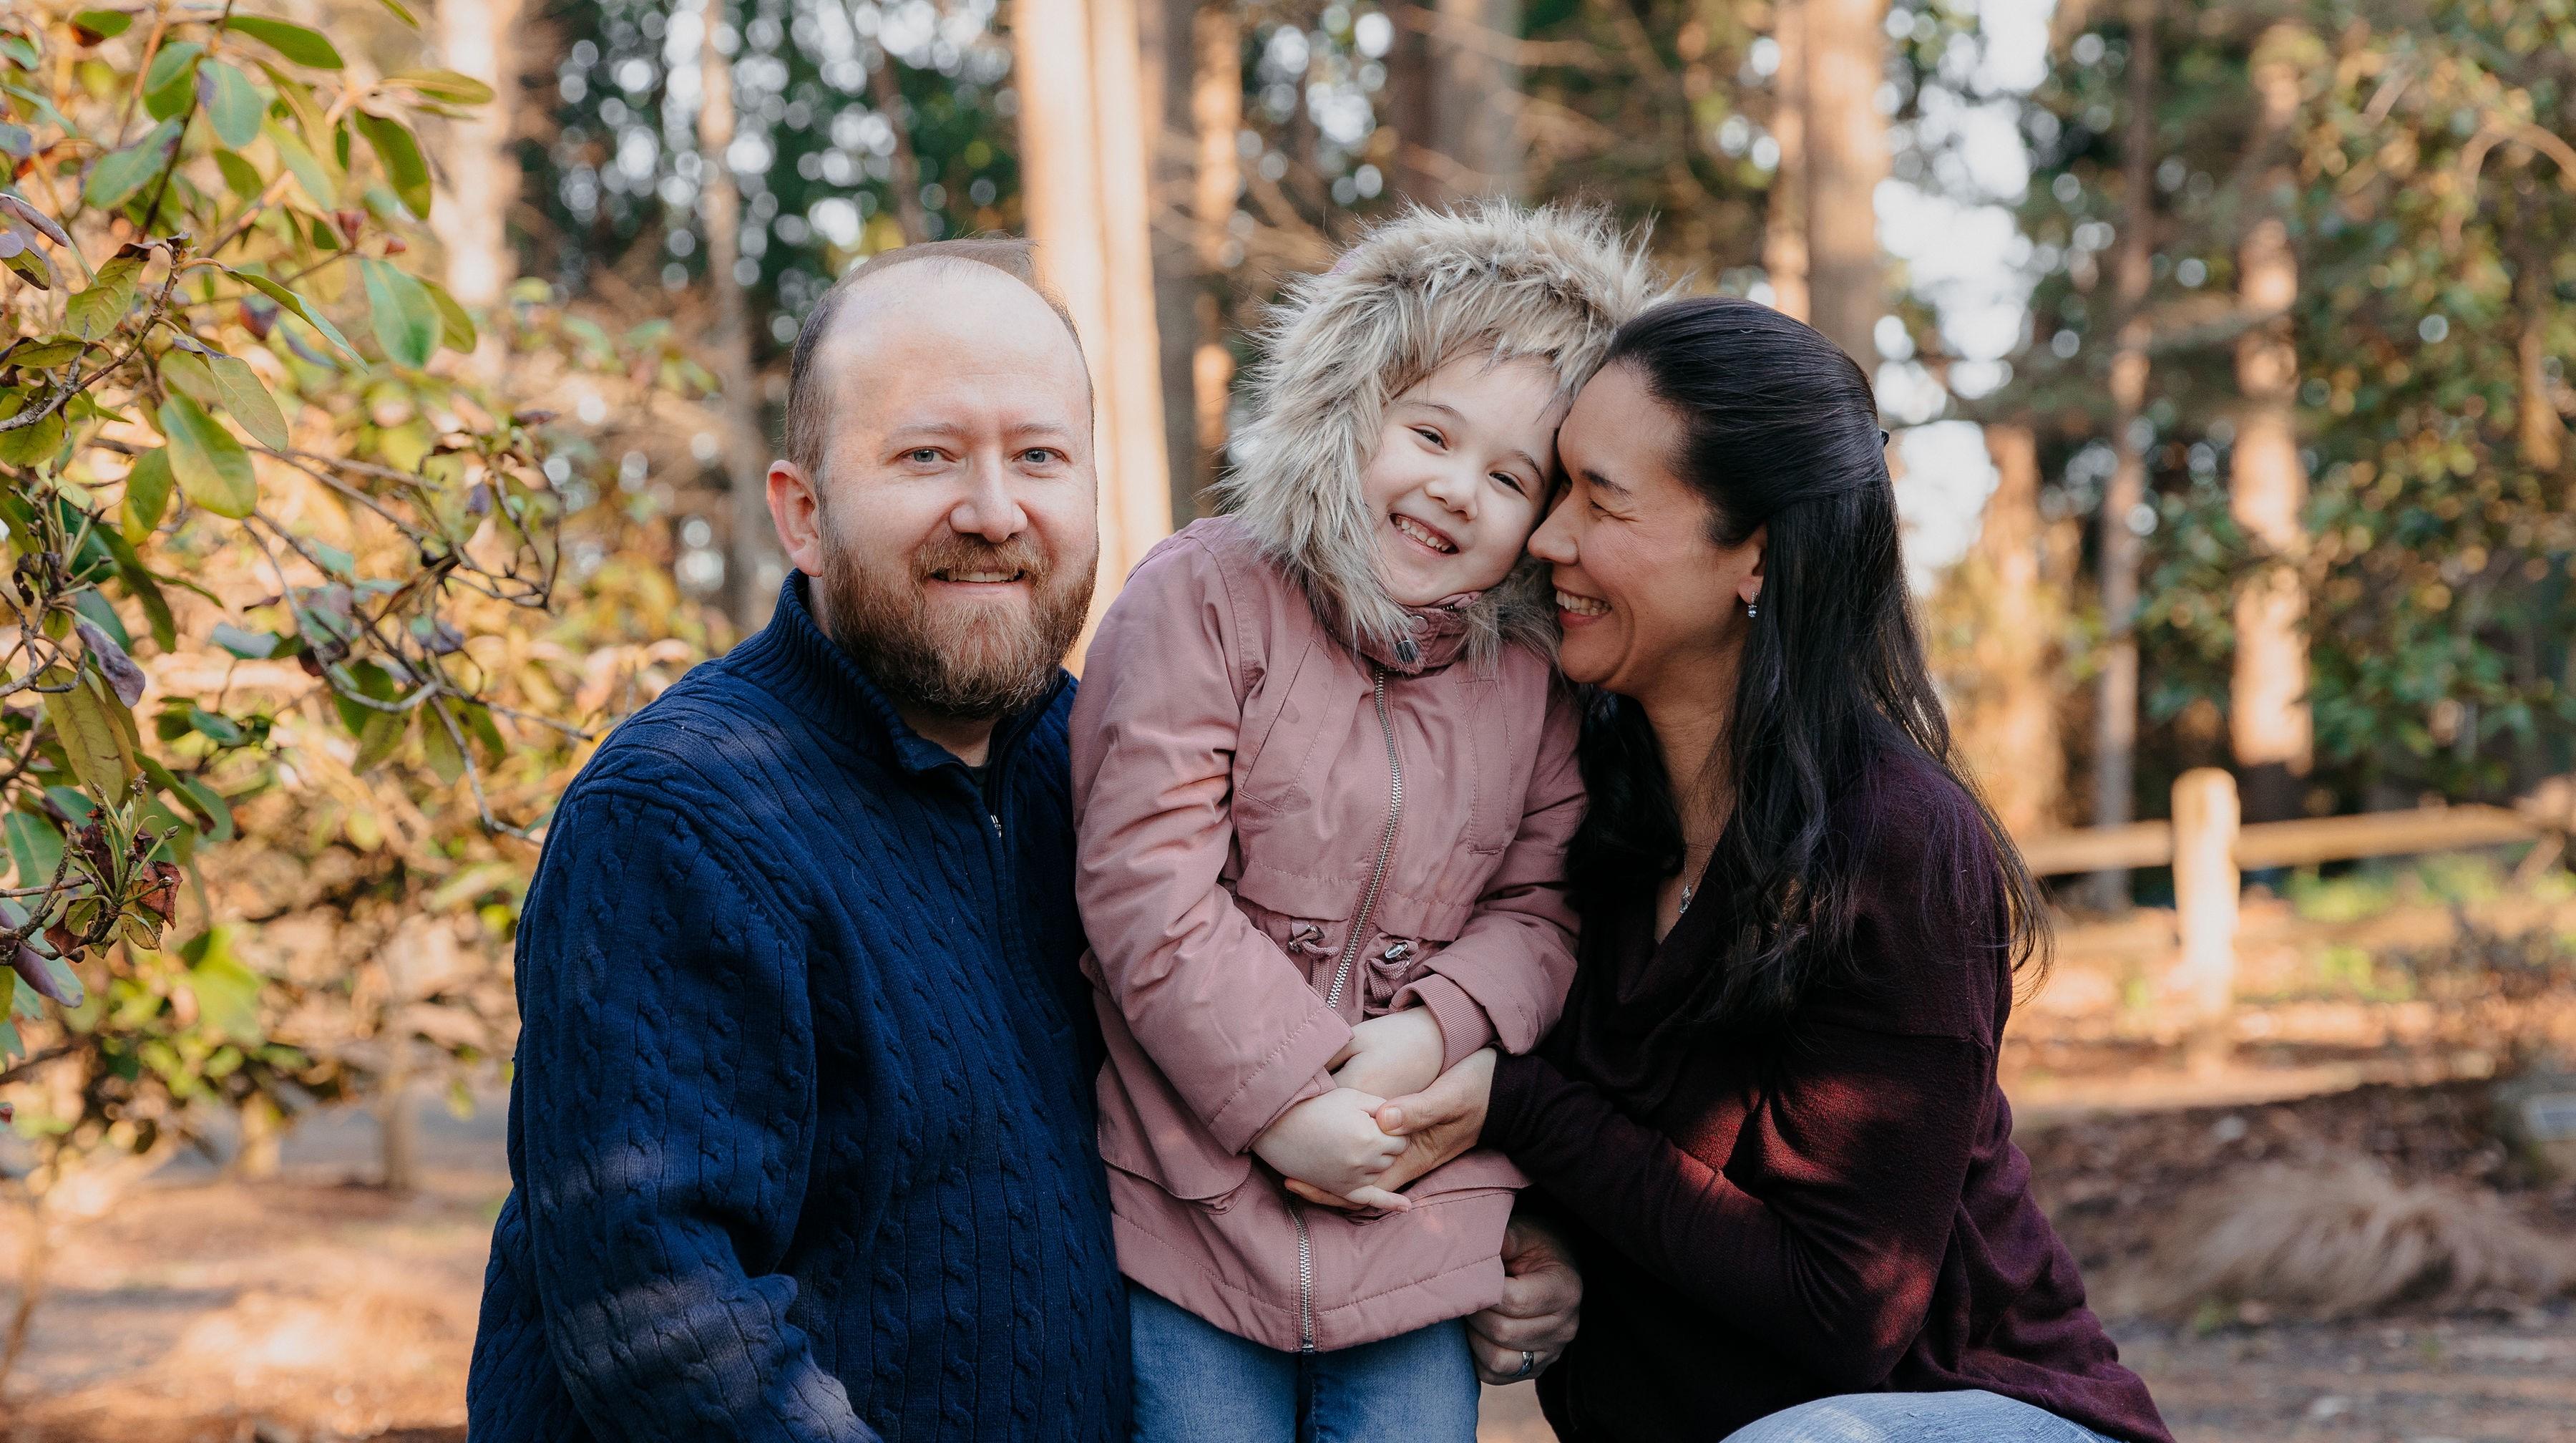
(792, 659)
(1434, 636)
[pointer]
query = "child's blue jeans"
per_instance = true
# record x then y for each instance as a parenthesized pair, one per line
(1196, 1382)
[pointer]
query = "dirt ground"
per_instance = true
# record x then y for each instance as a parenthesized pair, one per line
(312, 1308)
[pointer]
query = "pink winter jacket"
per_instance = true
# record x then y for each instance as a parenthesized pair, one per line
(1233, 790)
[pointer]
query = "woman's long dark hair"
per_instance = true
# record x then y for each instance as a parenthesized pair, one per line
(1780, 430)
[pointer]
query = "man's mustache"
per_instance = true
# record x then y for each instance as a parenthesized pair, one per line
(955, 556)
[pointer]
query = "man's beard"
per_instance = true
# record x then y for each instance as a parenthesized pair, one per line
(965, 661)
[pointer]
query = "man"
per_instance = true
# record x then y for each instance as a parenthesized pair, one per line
(801, 1133)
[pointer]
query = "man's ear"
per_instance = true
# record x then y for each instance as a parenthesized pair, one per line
(797, 512)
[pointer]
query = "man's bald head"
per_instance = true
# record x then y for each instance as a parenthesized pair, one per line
(870, 290)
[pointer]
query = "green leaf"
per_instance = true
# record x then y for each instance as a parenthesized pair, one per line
(20, 254)
(170, 86)
(235, 107)
(304, 165)
(187, 371)
(249, 402)
(88, 735)
(295, 303)
(95, 609)
(487, 734)
(446, 759)
(304, 47)
(21, 51)
(401, 12)
(406, 319)
(240, 176)
(94, 313)
(210, 466)
(35, 444)
(147, 488)
(248, 645)
(377, 739)
(395, 146)
(41, 354)
(145, 588)
(455, 328)
(227, 991)
(211, 804)
(35, 847)
(105, 24)
(120, 173)
(450, 86)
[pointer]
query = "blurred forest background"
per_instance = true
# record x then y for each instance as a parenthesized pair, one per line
(388, 384)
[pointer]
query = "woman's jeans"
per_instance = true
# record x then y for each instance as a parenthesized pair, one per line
(1974, 1416)
(1197, 1383)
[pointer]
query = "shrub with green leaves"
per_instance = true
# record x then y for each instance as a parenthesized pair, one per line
(262, 547)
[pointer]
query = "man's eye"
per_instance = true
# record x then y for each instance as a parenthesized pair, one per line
(922, 456)
(1041, 456)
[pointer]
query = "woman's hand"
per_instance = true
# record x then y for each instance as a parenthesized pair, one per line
(1392, 1055)
(1434, 1125)
(1331, 1150)
(1542, 1303)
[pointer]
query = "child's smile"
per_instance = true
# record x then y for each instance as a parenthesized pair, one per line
(1461, 466)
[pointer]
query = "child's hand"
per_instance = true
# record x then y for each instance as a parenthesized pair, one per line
(1393, 1056)
(1333, 1143)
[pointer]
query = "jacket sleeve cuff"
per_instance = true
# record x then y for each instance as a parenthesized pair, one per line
(1463, 1025)
(1286, 1077)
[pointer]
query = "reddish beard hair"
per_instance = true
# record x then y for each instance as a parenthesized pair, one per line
(971, 663)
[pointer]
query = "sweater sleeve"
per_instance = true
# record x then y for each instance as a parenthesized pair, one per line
(1504, 979)
(1828, 1222)
(1226, 1014)
(667, 1062)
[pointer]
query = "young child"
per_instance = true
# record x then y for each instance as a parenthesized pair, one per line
(1323, 786)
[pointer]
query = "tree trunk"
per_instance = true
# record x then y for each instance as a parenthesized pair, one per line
(2268, 721)
(2115, 722)
(397, 1127)
(480, 175)
(2538, 431)
(263, 1135)
(2021, 767)
(885, 92)
(1216, 117)
(1170, 52)
(1083, 176)
(1453, 83)
(1846, 145)
(757, 564)
(1784, 227)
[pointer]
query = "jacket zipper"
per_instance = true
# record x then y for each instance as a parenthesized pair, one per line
(1305, 1280)
(1385, 846)
(1342, 978)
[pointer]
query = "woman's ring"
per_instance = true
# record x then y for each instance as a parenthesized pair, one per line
(1529, 1363)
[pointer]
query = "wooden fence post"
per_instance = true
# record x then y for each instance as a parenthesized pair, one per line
(2205, 817)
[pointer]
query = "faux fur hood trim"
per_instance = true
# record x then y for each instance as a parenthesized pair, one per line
(1415, 292)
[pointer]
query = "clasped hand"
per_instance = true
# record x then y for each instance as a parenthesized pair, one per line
(1335, 1148)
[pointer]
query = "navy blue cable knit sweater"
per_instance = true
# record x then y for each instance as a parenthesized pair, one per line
(801, 1130)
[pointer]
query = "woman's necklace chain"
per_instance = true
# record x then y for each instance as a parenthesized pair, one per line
(1696, 877)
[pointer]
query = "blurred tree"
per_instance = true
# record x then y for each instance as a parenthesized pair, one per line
(2421, 213)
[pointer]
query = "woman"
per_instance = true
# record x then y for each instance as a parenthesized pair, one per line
(1769, 1122)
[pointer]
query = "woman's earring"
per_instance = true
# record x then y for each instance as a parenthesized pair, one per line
(1749, 610)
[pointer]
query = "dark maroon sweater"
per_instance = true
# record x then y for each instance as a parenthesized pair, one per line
(1832, 1205)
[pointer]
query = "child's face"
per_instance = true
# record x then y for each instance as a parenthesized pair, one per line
(1461, 467)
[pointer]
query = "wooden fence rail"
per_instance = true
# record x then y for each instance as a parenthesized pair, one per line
(2208, 848)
